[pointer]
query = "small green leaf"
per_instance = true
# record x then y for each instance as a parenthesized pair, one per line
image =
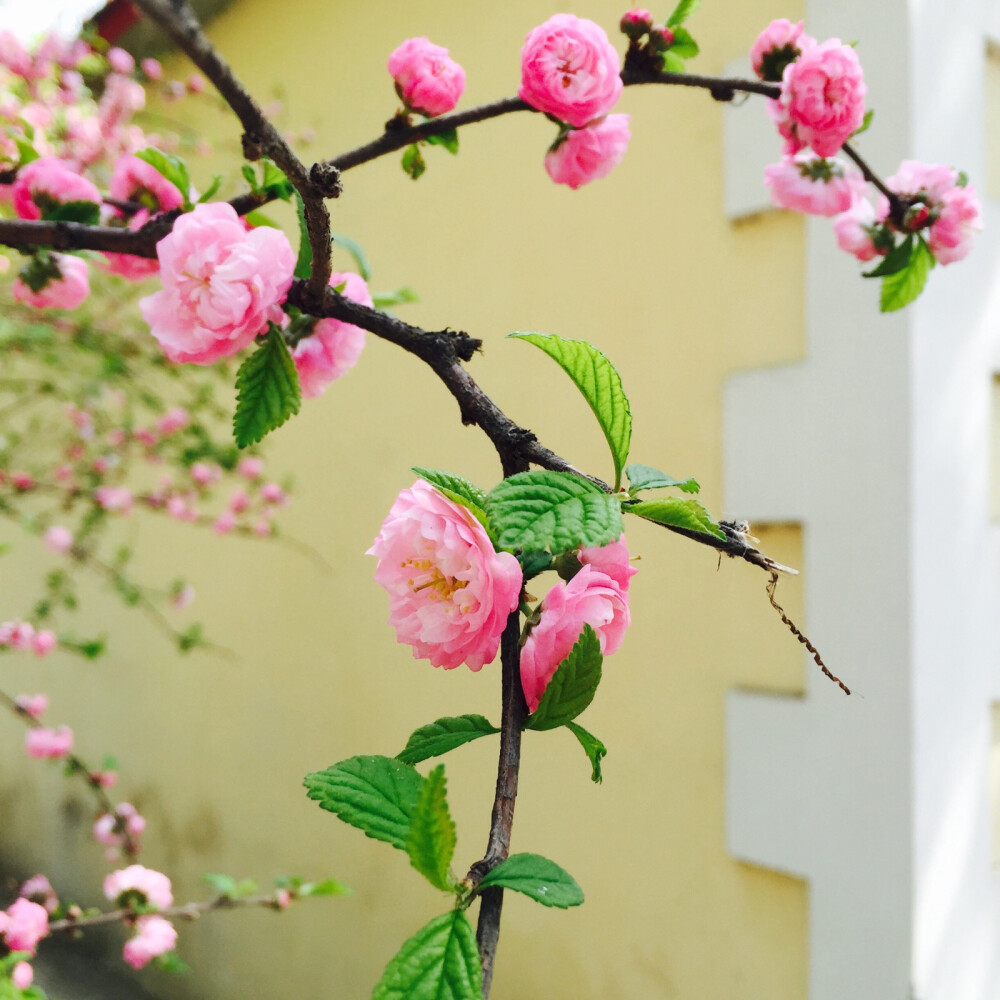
(413, 161)
(672, 63)
(328, 887)
(224, 885)
(645, 477)
(684, 45)
(259, 218)
(677, 513)
(573, 685)
(443, 735)
(600, 384)
(274, 182)
(440, 962)
(902, 288)
(396, 297)
(26, 152)
(592, 747)
(87, 213)
(303, 266)
(431, 841)
(447, 139)
(541, 879)
(896, 260)
(212, 190)
(454, 487)
(267, 387)
(173, 168)
(375, 794)
(357, 252)
(682, 12)
(533, 563)
(557, 511)
(865, 124)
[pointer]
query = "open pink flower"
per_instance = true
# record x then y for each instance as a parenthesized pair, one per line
(570, 70)
(26, 924)
(779, 44)
(854, 230)
(334, 347)
(612, 559)
(812, 184)
(590, 598)
(221, 284)
(136, 180)
(48, 744)
(586, 154)
(67, 287)
(450, 591)
(46, 183)
(59, 539)
(427, 80)
(154, 936)
(152, 886)
(822, 98)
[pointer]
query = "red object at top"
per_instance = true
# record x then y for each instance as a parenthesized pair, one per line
(115, 19)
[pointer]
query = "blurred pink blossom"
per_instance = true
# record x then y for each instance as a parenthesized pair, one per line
(427, 80)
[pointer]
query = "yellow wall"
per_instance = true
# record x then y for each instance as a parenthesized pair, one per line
(645, 266)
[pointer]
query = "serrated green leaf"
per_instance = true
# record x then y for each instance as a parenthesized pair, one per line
(303, 266)
(443, 735)
(541, 879)
(573, 685)
(682, 12)
(592, 747)
(902, 288)
(645, 477)
(87, 213)
(677, 513)
(599, 381)
(684, 45)
(672, 62)
(440, 962)
(431, 841)
(357, 252)
(452, 486)
(375, 794)
(557, 511)
(268, 392)
(173, 168)
(894, 261)
(447, 139)
(413, 161)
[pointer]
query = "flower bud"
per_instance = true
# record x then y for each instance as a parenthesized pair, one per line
(636, 23)
(660, 39)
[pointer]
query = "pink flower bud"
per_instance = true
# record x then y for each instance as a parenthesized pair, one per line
(635, 23)
(114, 498)
(273, 493)
(195, 83)
(44, 642)
(779, 44)
(204, 474)
(250, 467)
(175, 420)
(48, 744)
(34, 706)
(22, 480)
(183, 597)
(27, 924)
(224, 523)
(660, 39)
(282, 898)
(67, 287)
(152, 69)
(22, 975)
(120, 61)
(427, 80)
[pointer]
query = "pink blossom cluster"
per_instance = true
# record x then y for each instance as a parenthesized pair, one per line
(23, 924)
(450, 591)
(597, 595)
(138, 884)
(42, 743)
(570, 70)
(110, 827)
(22, 636)
(427, 79)
(154, 936)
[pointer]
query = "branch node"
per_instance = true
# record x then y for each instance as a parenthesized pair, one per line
(325, 177)
(253, 146)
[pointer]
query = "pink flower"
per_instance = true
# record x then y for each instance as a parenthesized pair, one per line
(450, 591)
(14, 55)
(822, 97)
(854, 230)
(152, 69)
(39, 890)
(22, 975)
(221, 284)
(224, 523)
(34, 706)
(46, 183)
(195, 83)
(67, 287)
(250, 467)
(44, 642)
(48, 744)
(779, 44)
(590, 598)
(120, 61)
(612, 559)
(107, 826)
(813, 185)
(152, 886)
(136, 180)
(205, 473)
(27, 923)
(333, 347)
(586, 154)
(569, 69)
(273, 493)
(183, 597)
(239, 501)
(175, 420)
(426, 79)
(59, 539)
(114, 498)
(155, 936)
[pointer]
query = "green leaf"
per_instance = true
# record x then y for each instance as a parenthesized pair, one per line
(173, 168)
(443, 735)
(396, 297)
(328, 887)
(896, 260)
(453, 487)
(592, 747)
(865, 124)
(357, 252)
(557, 511)
(413, 161)
(303, 266)
(541, 879)
(672, 63)
(431, 841)
(600, 384)
(533, 563)
(267, 387)
(376, 794)
(274, 182)
(88, 213)
(224, 885)
(447, 139)
(212, 189)
(440, 962)
(902, 288)
(645, 477)
(682, 12)
(573, 685)
(26, 152)
(677, 513)
(259, 218)
(684, 45)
